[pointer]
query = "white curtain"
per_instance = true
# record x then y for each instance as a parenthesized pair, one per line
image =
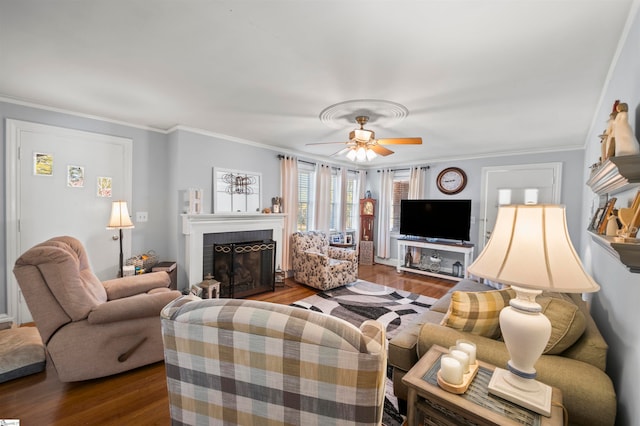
(323, 198)
(289, 183)
(383, 241)
(417, 191)
(362, 181)
(417, 183)
(342, 220)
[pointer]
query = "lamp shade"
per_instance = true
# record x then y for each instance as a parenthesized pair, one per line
(530, 247)
(119, 218)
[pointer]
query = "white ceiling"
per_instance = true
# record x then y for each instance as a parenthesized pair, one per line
(479, 77)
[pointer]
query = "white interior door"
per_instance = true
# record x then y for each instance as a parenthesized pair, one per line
(66, 201)
(544, 177)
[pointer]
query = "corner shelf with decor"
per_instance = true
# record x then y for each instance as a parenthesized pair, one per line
(617, 174)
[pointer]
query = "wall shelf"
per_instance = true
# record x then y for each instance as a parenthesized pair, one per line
(616, 174)
(627, 252)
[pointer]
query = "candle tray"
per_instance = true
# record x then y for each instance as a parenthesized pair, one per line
(467, 378)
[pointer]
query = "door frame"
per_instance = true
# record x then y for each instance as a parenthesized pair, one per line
(486, 171)
(14, 129)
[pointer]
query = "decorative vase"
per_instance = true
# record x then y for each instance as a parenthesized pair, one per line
(626, 143)
(407, 258)
(612, 226)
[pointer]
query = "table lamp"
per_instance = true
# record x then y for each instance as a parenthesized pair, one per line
(120, 219)
(531, 251)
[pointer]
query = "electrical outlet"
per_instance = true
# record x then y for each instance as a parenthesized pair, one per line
(142, 216)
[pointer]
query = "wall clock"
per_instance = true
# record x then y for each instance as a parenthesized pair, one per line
(451, 180)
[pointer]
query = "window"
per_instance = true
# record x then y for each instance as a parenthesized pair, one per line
(335, 201)
(400, 192)
(306, 186)
(306, 199)
(352, 201)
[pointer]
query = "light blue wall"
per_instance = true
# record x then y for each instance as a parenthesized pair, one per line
(164, 165)
(571, 191)
(193, 156)
(150, 179)
(615, 307)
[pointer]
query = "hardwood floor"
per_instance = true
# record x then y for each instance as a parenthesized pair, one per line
(139, 397)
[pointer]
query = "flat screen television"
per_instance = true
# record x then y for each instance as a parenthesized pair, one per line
(437, 219)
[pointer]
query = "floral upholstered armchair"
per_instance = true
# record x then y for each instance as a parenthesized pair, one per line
(317, 264)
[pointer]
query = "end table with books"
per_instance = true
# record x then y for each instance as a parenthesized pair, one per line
(429, 404)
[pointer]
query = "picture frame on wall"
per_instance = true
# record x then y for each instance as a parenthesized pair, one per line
(596, 219)
(42, 164)
(608, 209)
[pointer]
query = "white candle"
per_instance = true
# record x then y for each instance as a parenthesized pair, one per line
(451, 370)
(469, 348)
(460, 356)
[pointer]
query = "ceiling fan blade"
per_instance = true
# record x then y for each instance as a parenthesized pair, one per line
(400, 141)
(342, 151)
(323, 143)
(380, 150)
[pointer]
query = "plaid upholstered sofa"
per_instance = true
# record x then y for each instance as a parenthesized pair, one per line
(319, 265)
(247, 362)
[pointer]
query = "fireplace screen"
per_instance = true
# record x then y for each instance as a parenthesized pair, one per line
(244, 269)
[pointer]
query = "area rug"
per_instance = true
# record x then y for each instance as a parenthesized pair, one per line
(364, 300)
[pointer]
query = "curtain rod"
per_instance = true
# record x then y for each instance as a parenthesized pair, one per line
(407, 168)
(280, 156)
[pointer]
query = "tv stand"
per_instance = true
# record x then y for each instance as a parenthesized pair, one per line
(445, 272)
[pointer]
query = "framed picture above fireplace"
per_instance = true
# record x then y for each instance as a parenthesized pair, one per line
(236, 191)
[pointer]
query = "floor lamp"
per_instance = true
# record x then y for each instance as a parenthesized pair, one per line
(531, 251)
(120, 220)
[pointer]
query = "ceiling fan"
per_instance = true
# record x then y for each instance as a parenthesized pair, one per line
(363, 145)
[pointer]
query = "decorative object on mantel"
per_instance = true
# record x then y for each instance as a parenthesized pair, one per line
(276, 204)
(193, 201)
(625, 141)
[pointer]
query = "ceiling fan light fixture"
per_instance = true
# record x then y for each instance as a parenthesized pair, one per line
(371, 154)
(351, 155)
(361, 154)
(361, 135)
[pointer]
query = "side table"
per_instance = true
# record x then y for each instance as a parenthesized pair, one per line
(171, 268)
(366, 252)
(428, 404)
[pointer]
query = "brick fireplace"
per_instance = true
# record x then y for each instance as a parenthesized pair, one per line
(196, 227)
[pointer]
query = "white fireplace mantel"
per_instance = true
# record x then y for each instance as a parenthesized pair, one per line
(195, 226)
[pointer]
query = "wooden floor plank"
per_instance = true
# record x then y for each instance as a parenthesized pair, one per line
(139, 397)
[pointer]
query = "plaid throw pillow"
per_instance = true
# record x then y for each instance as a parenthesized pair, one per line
(477, 312)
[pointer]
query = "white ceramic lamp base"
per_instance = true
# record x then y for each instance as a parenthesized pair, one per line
(527, 393)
